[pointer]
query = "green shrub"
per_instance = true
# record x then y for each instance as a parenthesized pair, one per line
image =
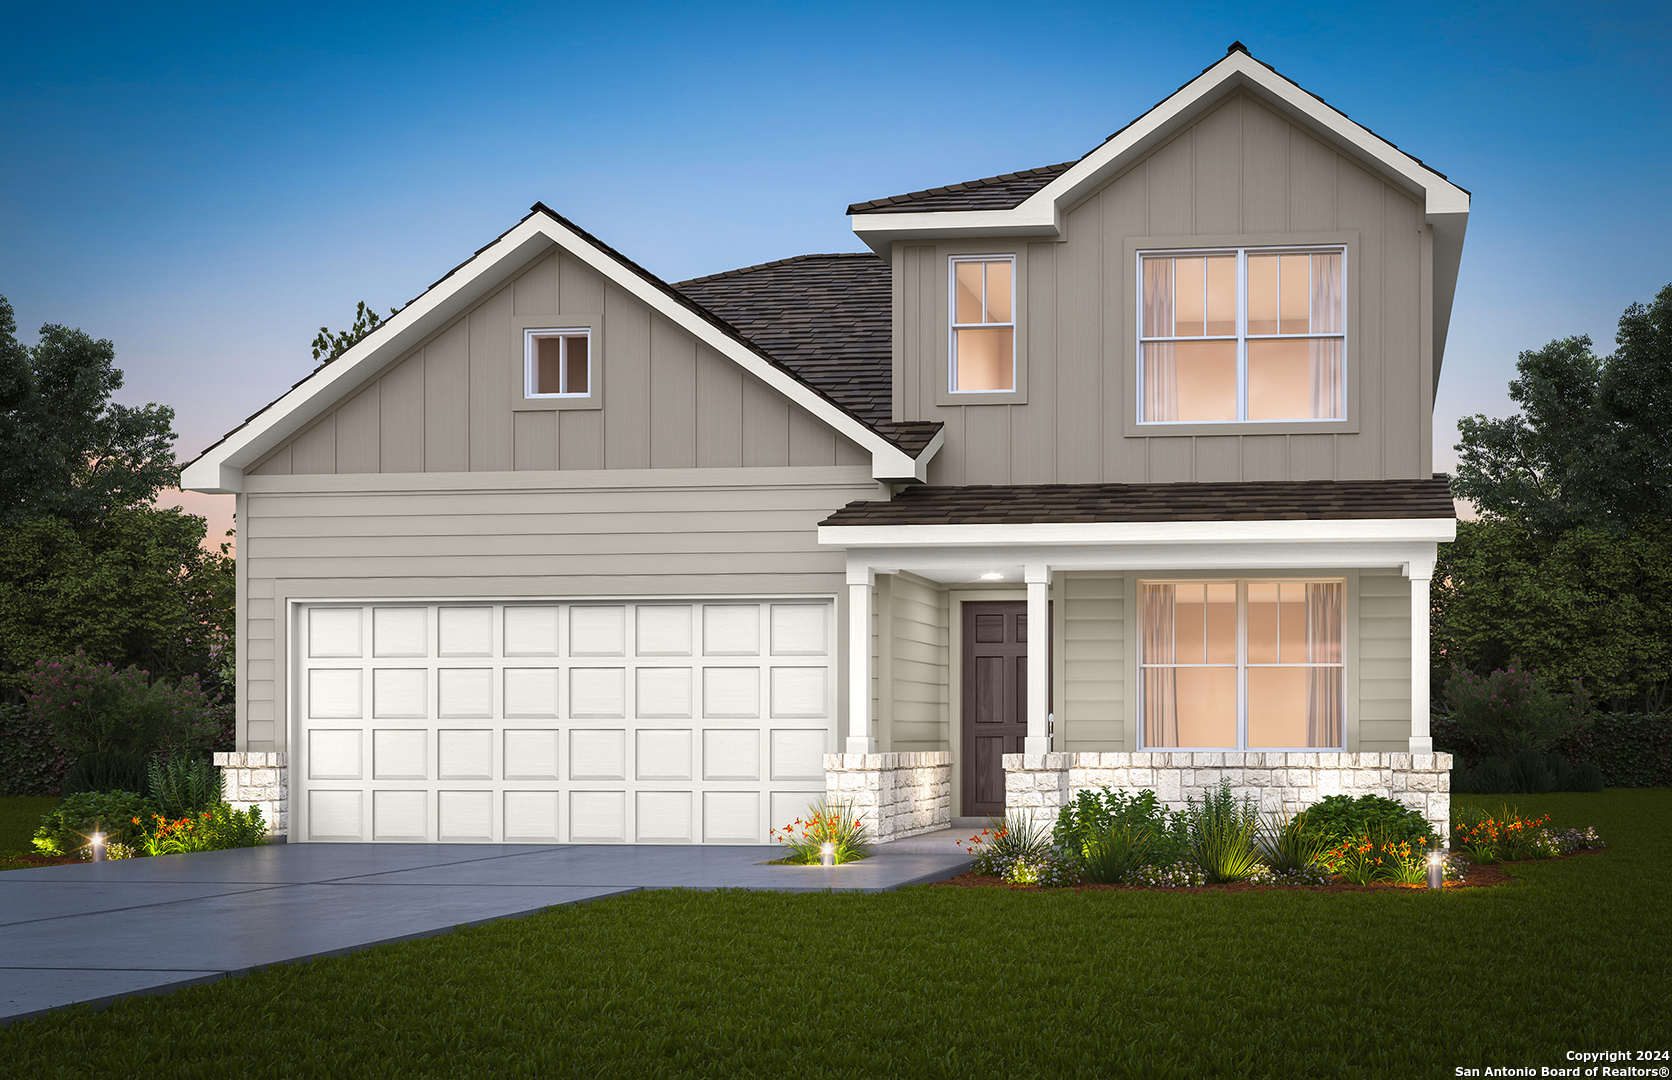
(1288, 845)
(96, 709)
(31, 762)
(106, 770)
(1528, 773)
(1531, 772)
(999, 848)
(1107, 834)
(1509, 711)
(65, 830)
(1630, 749)
(1340, 817)
(1223, 835)
(215, 829)
(1587, 777)
(183, 786)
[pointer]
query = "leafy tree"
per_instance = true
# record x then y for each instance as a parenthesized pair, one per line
(328, 346)
(66, 450)
(1591, 446)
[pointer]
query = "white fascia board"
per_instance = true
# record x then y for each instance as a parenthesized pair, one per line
(954, 564)
(220, 470)
(1114, 534)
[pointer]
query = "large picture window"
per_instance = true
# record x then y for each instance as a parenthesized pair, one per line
(1232, 665)
(983, 349)
(1241, 335)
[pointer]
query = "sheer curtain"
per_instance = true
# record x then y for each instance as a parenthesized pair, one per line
(1326, 319)
(1161, 373)
(1323, 646)
(1161, 706)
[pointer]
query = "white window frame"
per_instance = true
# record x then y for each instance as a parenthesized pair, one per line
(1241, 337)
(1242, 666)
(530, 355)
(953, 325)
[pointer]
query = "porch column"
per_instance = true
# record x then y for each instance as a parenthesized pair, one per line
(860, 580)
(1038, 577)
(1420, 574)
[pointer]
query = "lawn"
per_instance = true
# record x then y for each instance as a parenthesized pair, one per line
(1574, 955)
(20, 816)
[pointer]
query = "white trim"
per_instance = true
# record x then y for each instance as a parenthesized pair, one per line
(953, 325)
(1189, 533)
(1446, 206)
(530, 333)
(220, 469)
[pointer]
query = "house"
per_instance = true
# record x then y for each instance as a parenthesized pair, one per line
(1116, 471)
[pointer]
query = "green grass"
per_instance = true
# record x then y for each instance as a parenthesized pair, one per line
(1575, 954)
(20, 816)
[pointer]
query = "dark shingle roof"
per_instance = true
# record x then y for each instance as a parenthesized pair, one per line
(1080, 503)
(828, 318)
(1004, 192)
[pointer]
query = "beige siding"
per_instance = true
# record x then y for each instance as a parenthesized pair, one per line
(918, 668)
(1242, 170)
(1384, 668)
(669, 402)
(1092, 715)
(667, 532)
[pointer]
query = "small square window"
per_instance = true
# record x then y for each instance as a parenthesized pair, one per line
(558, 364)
(983, 326)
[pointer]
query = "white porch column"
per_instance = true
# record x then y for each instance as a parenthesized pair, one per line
(1038, 577)
(860, 580)
(1420, 574)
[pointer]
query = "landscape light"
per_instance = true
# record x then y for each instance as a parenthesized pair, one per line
(98, 847)
(1436, 869)
(827, 854)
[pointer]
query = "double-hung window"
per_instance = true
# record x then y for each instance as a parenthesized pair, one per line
(983, 347)
(1241, 335)
(1232, 665)
(557, 364)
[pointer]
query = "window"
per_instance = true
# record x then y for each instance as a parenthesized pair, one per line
(557, 363)
(983, 326)
(1241, 664)
(1241, 335)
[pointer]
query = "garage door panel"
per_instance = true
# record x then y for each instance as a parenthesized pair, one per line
(663, 721)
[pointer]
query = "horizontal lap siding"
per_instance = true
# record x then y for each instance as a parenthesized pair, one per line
(918, 614)
(731, 538)
(1092, 715)
(1384, 661)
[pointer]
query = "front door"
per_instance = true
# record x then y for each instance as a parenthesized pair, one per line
(995, 719)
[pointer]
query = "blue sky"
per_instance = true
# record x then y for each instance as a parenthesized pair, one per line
(207, 187)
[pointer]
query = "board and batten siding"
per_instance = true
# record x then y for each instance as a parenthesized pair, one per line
(508, 535)
(669, 402)
(1239, 171)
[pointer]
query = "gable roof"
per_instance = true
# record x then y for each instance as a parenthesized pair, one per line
(955, 212)
(989, 193)
(899, 452)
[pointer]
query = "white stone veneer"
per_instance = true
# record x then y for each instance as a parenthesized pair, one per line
(261, 780)
(1040, 784)
(896, 795)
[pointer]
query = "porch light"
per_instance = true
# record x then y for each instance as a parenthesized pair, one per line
(827, 853)
(1436, 869)
(98, 846)
(994, 576)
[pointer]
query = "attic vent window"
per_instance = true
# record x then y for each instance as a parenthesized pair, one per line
(558, 363)
(983, 326)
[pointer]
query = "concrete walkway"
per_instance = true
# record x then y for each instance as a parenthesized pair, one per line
(98, 932)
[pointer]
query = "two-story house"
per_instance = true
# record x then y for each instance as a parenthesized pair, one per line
(1113, 471)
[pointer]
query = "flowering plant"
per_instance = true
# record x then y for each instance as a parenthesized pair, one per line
(1508, 835)
(214, 829)
(1021, 853)
(835, 823)
(1180, 875)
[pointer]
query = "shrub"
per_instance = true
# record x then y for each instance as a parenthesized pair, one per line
(1048, 871)
(1504, 835)
(836, 823)
(1587, 777)
(31, 762)
(998, 849)
(106, 770)
(1630, 749)
(1106, 834)
(215, 829)
(1288, 845)
(1528, 773)
(96, 709)
(183, 786)
(1508, 712)
(1341, 817)
(1371, 857)
(65, 830)
(1222, 835)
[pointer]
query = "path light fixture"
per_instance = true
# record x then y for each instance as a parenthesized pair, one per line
(98, 846)
(827, 853)
(1436, 869)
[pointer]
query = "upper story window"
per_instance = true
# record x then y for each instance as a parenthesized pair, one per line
(983, 326)
(1241, 335)
(557, 363)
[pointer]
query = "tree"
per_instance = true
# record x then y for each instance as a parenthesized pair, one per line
(66, 450)
(328, 346)
(1591, 446)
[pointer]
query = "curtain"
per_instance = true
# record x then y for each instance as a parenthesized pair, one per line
(1326, 319)
(1323, 646)
(1161, 708)
(1326, 378)
(1161, 381)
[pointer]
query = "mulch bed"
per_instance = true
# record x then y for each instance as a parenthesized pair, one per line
(1477, 877)
(36, 859)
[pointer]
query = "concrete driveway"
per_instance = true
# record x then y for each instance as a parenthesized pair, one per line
(95, 933)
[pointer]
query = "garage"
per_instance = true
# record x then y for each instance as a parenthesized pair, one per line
(659, 721)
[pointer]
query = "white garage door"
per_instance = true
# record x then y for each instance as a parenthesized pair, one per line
(654, 721)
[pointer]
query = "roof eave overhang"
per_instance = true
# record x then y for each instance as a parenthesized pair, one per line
(1446, 206)
(1111, 533)
(220, 469)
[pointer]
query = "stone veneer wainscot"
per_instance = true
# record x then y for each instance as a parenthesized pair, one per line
(1040, 784)
(895, 795)
(261, 780)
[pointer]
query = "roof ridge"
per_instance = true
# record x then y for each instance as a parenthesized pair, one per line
(964, 185)
(776, 262)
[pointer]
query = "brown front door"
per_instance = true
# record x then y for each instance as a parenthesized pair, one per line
(995, 698)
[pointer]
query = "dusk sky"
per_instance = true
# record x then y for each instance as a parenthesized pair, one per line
(207, 187)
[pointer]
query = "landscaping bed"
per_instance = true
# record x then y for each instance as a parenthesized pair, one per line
(1475, 877)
